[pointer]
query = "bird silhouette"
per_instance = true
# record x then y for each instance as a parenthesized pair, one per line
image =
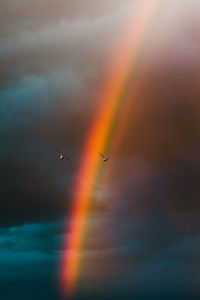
(104, 158)
(61, 156)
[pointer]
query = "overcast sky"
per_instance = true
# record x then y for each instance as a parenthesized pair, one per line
(144, 238)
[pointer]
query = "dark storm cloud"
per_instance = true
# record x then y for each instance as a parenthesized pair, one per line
(24, 155)
(31, 132)
(49, 70)
(143, 238)
(29, 261)
(146, 244)
(174, 187)
(148, 260)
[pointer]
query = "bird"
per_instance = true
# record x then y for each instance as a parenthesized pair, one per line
(61, 156)
(104, 158)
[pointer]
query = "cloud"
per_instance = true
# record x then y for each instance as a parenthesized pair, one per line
(59, 43)
(144, 260)
(41, 104)
(143, 229)
(28, 261)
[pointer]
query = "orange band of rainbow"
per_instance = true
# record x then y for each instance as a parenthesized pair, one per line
(111, 97)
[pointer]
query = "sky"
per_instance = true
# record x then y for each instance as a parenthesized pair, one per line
(143, 234)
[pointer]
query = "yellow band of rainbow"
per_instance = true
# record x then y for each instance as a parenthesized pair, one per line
(111, 97)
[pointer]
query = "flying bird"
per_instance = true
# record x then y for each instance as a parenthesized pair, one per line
(61, 156)
(104, 158)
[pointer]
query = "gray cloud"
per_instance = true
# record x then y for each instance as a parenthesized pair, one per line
(29, 260)
(143, 236)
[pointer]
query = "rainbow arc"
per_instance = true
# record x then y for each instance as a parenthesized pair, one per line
(114, 98)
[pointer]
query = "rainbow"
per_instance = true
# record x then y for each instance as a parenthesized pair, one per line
(112, 97)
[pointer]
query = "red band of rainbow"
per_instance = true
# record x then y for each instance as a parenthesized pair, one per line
(123, 61)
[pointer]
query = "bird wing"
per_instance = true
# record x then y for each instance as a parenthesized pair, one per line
(101, 155)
